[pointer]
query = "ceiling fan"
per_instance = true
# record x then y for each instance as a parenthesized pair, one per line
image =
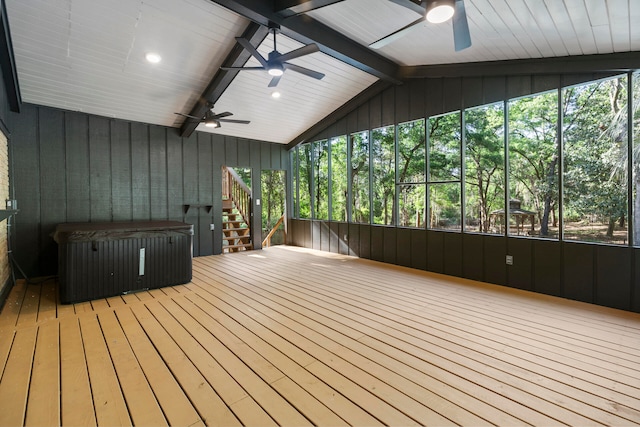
(434, 11)
(276, 63)
(213, 120)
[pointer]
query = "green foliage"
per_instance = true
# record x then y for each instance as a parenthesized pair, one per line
(533, 155)
(411, 151)
(305, 184)
(339, 178)
(484, 165)
(390, 180)
(361, 205)
(273, 197)
(444, 147)
(321, 179)
(592, 191)
(384, 174)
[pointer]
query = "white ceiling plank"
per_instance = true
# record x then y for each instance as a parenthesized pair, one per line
(618, 23)
(83, 55)
(582, 26)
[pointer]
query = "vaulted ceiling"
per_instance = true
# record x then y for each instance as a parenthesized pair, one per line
(89, 56)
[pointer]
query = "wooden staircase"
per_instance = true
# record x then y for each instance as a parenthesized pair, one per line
(236, 213)
(236, 233)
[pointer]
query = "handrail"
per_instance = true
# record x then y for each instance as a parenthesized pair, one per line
(239, 192)
(267, 240)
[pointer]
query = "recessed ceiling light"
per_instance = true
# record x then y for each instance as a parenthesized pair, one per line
(153, 57)
(275, 94)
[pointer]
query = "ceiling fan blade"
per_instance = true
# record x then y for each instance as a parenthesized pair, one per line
(242, 122)
(304, 50)
(219, 116)
(252, 50)
(461, 35)
(305, 71)
(397, 34)
(187, 115)
(274, 81)
(242, 68)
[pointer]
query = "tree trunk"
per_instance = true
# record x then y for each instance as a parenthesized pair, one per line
(610, 227)
(551, 173)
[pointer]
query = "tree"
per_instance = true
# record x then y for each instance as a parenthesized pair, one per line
(592, 149)
(484, 162)
(384, 174)
(533, 154)
(360, 203)
(411, 173)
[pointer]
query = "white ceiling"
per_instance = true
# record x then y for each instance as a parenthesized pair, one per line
(85, 55)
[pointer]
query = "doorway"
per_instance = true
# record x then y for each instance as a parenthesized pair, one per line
(236, 210)
(273, 189)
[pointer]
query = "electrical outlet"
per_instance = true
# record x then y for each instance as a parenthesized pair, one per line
(509, 259)
(212, 227)
(257, 202)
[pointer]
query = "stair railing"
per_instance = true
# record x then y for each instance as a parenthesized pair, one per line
(267, 240)
(239, 192)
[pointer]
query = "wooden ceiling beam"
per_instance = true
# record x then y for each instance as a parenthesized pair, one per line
(255, 33)
(305, 29)
(289, 8)
(610, 62)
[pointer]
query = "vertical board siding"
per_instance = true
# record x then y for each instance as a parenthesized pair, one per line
(613, 277)
(419, 249)
(121, 171)
(99, 169)
(158, 172)
(547, 267)
(473, 256)
(52, 180)
(140, 171)
(579, 271)
(520, 273)
(76, 167)
(495, 250)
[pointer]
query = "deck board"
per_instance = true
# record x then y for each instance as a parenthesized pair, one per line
(43, 405)
(300, 337)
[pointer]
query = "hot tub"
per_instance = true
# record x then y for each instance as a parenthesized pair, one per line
(103, 259)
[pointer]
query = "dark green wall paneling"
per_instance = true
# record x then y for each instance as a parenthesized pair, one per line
(377, 243)
(419, 249)
(520, 273)
(390, 245)
(453, 254)
(334, 237)
(613, 277)
(75, 167)
(495, 268)
(547, 267)
(605, 275)
(473, 256)
(403, 245)
(579, 271)
(343, 238)
(435, 251)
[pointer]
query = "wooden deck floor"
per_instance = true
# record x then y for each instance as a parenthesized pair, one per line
(288, 336)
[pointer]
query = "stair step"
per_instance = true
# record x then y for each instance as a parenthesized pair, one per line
(241, 245)
(235, 229)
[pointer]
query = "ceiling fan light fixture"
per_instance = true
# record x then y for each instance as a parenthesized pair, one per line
(275, 94)
(275, 70)
(210, 123)
(153, 57)
(439, 11)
